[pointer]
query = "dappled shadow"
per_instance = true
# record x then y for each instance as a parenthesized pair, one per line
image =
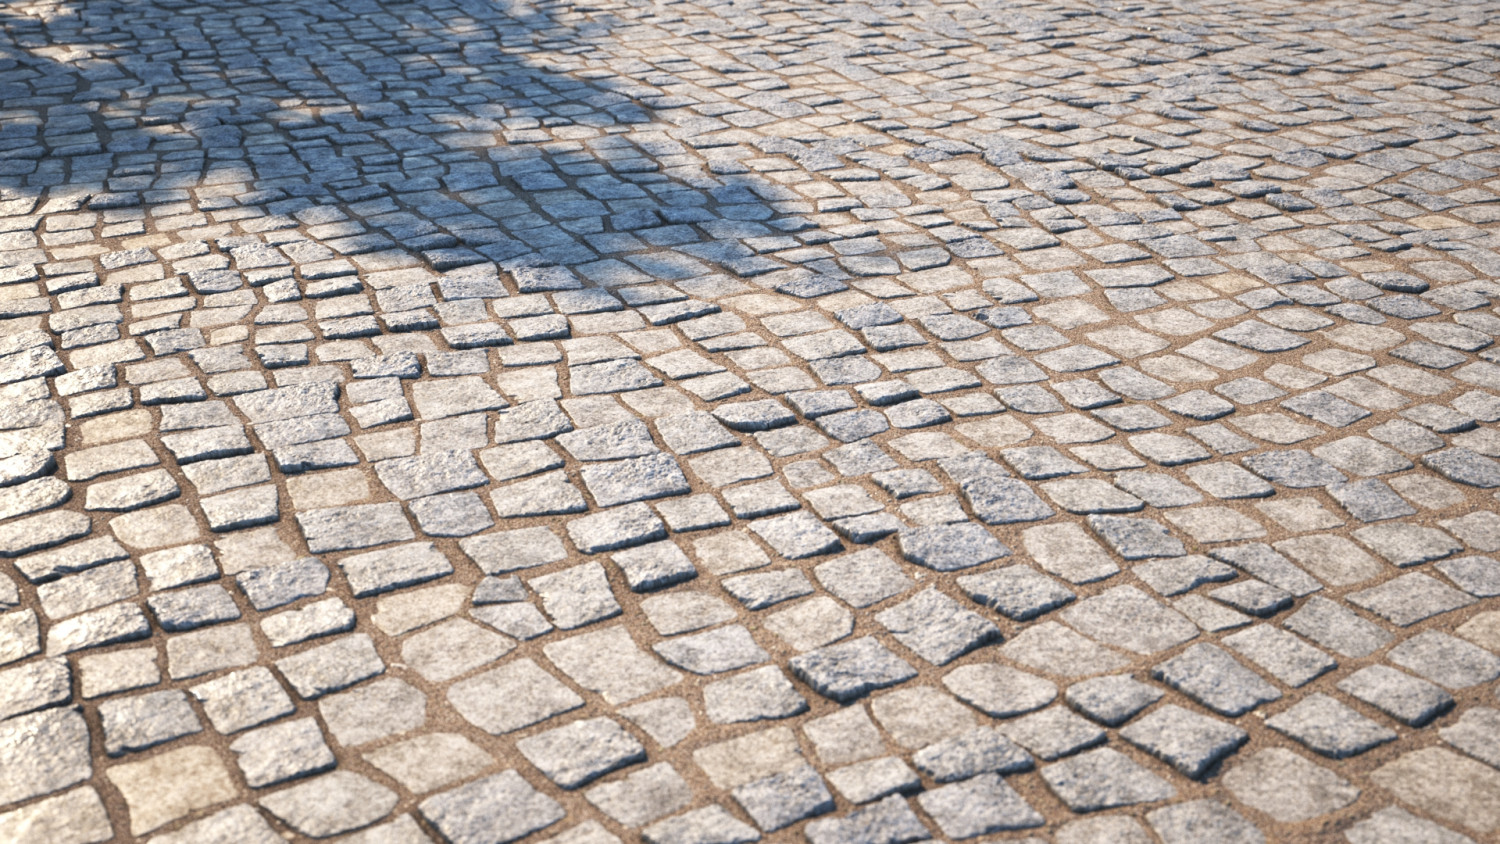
(461, 133)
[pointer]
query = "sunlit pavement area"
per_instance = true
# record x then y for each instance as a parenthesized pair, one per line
(702, 423)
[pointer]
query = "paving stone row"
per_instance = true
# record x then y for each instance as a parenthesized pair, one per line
(704, 423)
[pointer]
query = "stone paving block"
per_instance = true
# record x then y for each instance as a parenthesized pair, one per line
(1103, 828)
(784, 798)
(1281, 654)
(103, 674)
(863, 578)
(452, 648)
(375, 572)
(1056, 649)
(849, 670)
(1446, 660)
(637, 479)
(1337, 628)
(758, 694)
(529, 694)
(936, 627)
(654, 566)
(506, 551)
(1412, 701)
(43, 752)
(1102, 779)
(796, 535)
(1200, 820)
(1150, 628)
(890, 820)
(212, 649)
(1242, 331)
(431, 761)
(331, 667)
(282, 751)
(1474, 733)
(970, 754)
(1331, 559)
(638, 799)
(168, 786)
(1287, 787)
(1410, 598)
(1253, 597)
(1407, 545)
(1208, 674)
(143, 721)
(609, 661)
(921, 715)
(978, 806)
(1066, 551)
(1111, 700)
(765, 589)
(999, 691)
(580, 752)
(1053, 733)
(335, 802)
(811, 624)
(34, 686)
(1400, 826)
(871, 780)
(1329, 727)
(709, 823)
(475, 812)
(403, 830)
(845, 735)
(280, 584)
(622, 527)
(1190, 742)
(716, 651)
(577, 596)
(73, 817)
(1456, 790)
(1479, 576)
(345, 528)
(1136, 539)
(242, 699)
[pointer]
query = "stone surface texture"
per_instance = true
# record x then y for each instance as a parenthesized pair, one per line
(476, 421)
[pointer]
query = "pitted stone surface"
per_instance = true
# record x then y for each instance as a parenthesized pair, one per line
(414, 414)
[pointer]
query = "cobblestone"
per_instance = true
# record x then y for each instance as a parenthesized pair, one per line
(388, 390)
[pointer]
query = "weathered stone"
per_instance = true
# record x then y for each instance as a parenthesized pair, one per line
(582, 751)
(1208, 674)
(143, 721)
(282, 751)
(334, 802)
(1103, 779)
(609, 662)
(73, 817)
(1329, 727)
(42, 753)
(784, 798)
(372, 711)
(1287, 787)
(1190, 742)
(849, 670)
(171, 785)
(641, 797)
(329, 668)
(1128, 618)
(1203, 820)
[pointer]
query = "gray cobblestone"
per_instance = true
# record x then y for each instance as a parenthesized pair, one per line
(482, 306)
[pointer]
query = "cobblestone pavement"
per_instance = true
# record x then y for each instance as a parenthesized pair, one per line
(703, 422)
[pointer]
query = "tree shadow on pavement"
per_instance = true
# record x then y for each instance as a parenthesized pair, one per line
(456, 134)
